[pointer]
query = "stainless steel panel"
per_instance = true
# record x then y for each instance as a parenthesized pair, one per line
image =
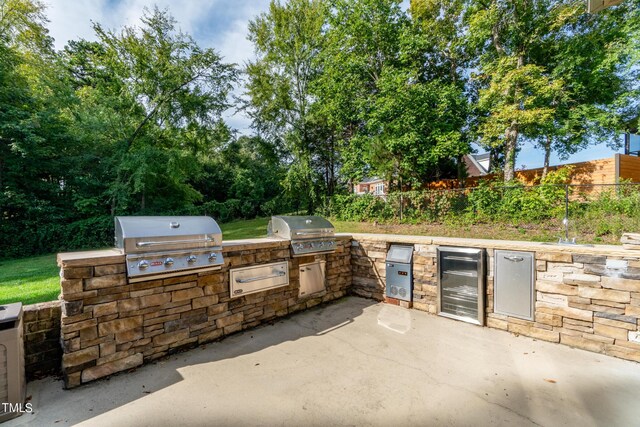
(513, 293)
(312, 278)
(300, 227)
(148, 264)
(461, 283)
(12, 377)
(139, 234)
(249, 280)
(400, 253)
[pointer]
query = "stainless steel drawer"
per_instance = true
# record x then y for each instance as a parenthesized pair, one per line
(513, 288)
(248, 280)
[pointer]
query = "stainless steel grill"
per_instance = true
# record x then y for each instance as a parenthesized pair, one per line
(164, 246)
(309, 235)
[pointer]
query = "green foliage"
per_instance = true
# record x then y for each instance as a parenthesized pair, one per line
(494, 202)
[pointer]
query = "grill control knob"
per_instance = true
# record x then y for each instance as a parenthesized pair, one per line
(213, 257)
(168, 262)
(191, 259)
(143, 265)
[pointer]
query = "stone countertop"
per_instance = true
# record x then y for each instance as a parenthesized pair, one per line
(113, 256)
(612, 250)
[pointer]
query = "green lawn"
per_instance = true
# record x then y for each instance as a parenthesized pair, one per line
(29, 280)
(245, 229)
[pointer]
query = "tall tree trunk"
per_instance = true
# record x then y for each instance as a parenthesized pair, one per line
(510, 145)
(547, 155)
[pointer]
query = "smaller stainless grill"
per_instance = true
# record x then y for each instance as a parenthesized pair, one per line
(309, 235)
(163, 246)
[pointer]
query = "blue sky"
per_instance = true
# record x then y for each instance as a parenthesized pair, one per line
(222, 25)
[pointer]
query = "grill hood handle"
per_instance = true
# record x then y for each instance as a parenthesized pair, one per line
(173, 242)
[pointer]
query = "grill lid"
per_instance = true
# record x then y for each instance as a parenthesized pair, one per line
(300, 227)
(136, 234)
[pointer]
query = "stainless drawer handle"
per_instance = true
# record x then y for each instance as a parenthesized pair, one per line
(173, 242)
(514, 258)
(255, 279)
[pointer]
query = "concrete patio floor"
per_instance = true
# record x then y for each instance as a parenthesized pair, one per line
(356, 362)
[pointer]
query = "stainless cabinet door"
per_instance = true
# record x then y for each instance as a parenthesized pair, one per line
(312, 278)
(513, 284)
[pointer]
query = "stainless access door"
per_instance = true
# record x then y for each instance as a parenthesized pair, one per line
(513, 288)
(312, 278)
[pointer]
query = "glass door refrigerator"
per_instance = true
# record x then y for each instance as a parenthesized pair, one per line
(461, 274)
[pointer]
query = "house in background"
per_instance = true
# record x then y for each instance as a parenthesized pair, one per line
(477, 164)
(376, 186)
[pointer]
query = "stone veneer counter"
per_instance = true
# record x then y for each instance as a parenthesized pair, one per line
(109, 325)
(579, 301)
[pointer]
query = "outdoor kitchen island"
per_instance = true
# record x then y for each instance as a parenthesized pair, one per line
(585, 297)
(110, 324)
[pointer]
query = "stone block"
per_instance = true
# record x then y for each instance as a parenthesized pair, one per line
(119, 325)
(101, 282)
(129, 304)
(72, 380)
(556, 288)
(128, 336)
(72, 308)
(229, 320)
(180, 286)
(107, 270)
(632, 310)
(150, 284)
(107, 348)
(205, 301)
(550, 276)
(90, 333)
(73, 327)
(582, 343)
(71, 286)
(554, 299)
(80, 357)
(154, 300)
(236, 327)
(209, 336)
(76, 272)
(186, 294)
(548, 319)
(589, 259)
(621, 284)
(179, 279)
(491, 321)
(528, 330)
(582, 279)
(622, 352)
(573, 313)
(610, 331)
(170, 337)
(105, 309)
(107, 369)
(554, 256)
(604, 294)
(615, 321)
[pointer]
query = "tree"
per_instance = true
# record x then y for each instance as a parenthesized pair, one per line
(154, 99)
(287, 39)
(396, 112)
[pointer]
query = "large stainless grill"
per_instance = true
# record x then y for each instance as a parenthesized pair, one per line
(309, 235)
(163, 246)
